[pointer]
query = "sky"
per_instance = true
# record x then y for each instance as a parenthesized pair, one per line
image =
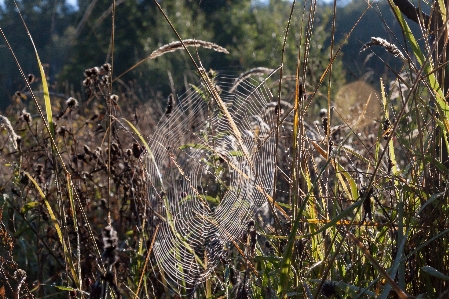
(71, 2)
(75, 2)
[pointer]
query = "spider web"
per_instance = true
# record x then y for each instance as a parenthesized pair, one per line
(203, 188)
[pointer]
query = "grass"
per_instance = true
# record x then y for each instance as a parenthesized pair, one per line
(231, 190)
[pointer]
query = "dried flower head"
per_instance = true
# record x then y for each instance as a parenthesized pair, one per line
(113, 101)
(72, 103)
(87, 82)
(40, 173)
(39, 169)
(26, 117)
(61, 131)
(110, 243)
(95, 70)
(87, 73)
(31, 78)
(87, 150)
(106, 68)
(105, 79)
(114, 98)
(137, 150)
(5, 123)
(323, 112)
(329, 289)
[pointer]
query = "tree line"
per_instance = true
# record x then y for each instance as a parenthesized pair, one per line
(71, 40)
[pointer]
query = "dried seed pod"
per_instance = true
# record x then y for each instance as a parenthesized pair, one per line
(87, 149)
(106, 67)
(115, 149)
(276, 110)
(323, 112)
(98, 151)
(40, 173)
(329, 289)
(113, 101)
(252, 238)
(93, 117)
(104, 204)
(325, 124)
(366, 195)
(88, 73)
(110, 243)
(25, 117)
(95, 70)
(114, 98)
(61, 131)
(387, 129)
(269, 248)
(137, 150)
(72, 103)
(105, 80)
(31, 78)
(24, 179)
(99, 129)
(87, 82)
(18, 94)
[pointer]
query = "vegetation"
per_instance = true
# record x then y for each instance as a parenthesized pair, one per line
(223, 149)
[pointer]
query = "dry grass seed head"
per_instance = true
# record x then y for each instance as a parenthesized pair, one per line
(389, 47)
(5, 123)
(173, 46)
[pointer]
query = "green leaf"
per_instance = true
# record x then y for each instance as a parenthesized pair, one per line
(434, 272)
(284, 205)
(236, 153)
(28, 206)
(193, 145)
(271, 259)
(69, 289)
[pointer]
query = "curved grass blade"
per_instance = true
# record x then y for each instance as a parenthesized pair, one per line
(44, 79)
(434, 272)
(148, 150)
(57, 227)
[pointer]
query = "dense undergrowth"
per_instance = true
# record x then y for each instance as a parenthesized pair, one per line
(240, 188)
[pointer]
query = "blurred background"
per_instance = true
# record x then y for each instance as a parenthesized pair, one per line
(72, 36)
